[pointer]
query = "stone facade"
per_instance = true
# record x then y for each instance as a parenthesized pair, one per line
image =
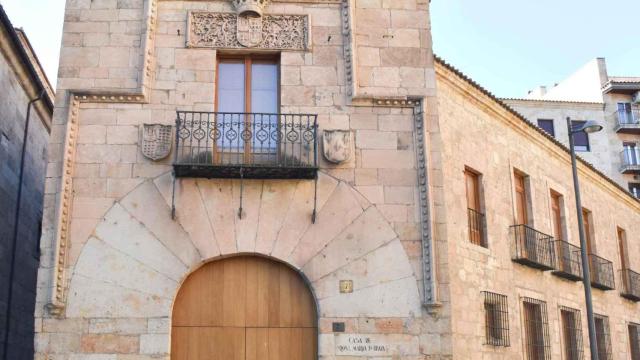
(470, 113)
(21, 79)
(391, 218)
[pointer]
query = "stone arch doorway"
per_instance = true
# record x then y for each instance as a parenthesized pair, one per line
(244, 308)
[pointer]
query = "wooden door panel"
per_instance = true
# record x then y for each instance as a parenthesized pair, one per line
(244, 308)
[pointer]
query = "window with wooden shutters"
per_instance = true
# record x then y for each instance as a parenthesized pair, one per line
(571, 334)
(522, 201)
(634, 341)
(536, 329)
(586, 216)
(557, 215)
(603, 337)
(496, 316)
(475, 215)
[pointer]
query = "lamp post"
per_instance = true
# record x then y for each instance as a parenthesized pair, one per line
(588, 127)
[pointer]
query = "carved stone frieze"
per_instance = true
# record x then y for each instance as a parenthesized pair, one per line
(221, 30)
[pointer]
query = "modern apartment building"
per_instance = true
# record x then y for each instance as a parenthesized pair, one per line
(303, 179)
(591, 94)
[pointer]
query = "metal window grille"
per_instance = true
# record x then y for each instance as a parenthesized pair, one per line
(476, 227)
(634, 341)
(603, 337)
(536, 329)
(496, 316)
(571, 333)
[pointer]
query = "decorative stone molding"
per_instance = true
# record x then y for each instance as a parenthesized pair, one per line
(349, 46)
(56, 303)
(428, 272)
(250, 7)
(223, 31)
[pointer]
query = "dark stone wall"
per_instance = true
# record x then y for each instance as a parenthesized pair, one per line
(13, 108)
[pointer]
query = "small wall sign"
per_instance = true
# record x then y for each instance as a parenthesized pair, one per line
(346, 286)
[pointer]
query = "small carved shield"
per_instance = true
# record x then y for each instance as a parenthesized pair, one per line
(336, 145)
(249, 30)
(156, 141)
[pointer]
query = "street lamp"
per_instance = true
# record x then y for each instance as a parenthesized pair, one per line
(588, 128)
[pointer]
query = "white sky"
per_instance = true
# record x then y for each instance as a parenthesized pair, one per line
(42, 21)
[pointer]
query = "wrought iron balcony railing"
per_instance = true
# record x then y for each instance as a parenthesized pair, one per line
(628, 122)
(630, 160)
(246, 145)
(476, 227)
(630, 284)
(601, 271)
(533, 248)
(568, 261)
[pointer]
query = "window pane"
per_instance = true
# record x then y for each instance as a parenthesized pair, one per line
(231, 87)
(264, 100)
(580, 139)
(547, 125)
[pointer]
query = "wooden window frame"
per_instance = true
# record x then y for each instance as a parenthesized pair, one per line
(558, 215)
(247, 60)
(521, 188)
(634, 340)
(475, 208)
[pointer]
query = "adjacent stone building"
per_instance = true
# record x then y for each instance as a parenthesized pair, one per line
(282, 180)
(22, 80)
(592, 94)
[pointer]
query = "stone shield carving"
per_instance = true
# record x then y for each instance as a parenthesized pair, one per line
(249, 30)
(156, 141)
(336, 146)
(224, 31)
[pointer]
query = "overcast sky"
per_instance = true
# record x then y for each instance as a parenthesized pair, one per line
(508, 46)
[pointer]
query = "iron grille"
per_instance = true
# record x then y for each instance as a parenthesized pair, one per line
(533, 248)
(249, 145)
(634, 341)
(476, 227)
(630, 284)
(496, 318)
(601, 271)
(603, 337)
(571, 333)
(536, 329)
(568, 260)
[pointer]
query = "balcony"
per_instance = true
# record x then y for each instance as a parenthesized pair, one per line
(630, 160)
(532, 248)
(630, 285)
(568, 261)
(246, 145)
(476, 227)
(601, 273)
(628, 122)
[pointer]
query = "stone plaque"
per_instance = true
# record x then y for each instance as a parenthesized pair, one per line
(361, 345)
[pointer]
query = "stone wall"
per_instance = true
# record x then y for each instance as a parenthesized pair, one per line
(509, 143)
(115, 257)
(13, 107)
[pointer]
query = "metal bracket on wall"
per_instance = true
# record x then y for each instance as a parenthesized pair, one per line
(173, 197)
(314, 214)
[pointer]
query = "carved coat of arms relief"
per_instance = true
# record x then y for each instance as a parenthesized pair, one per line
(249, 30)
(156, 141)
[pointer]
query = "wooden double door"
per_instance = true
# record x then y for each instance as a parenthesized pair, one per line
(244, 308)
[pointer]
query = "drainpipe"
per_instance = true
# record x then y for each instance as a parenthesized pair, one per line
(5, 351)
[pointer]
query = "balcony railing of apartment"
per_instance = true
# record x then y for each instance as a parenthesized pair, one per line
(246, 145)
(630, 160)
(533, 248)
(601, 271)
(476, 227)
(628, 122)
(630, 284)
(568, 261)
